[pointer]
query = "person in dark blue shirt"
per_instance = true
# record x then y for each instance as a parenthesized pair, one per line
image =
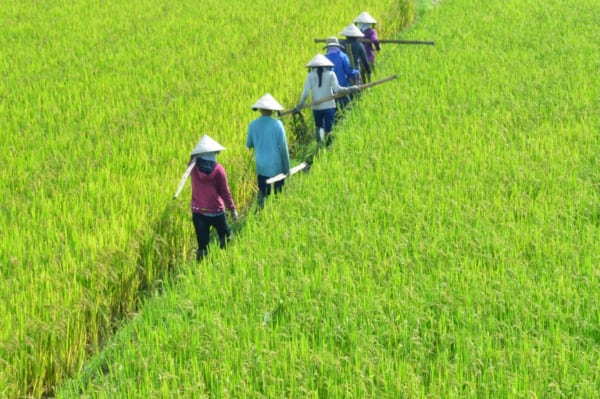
(356, 51)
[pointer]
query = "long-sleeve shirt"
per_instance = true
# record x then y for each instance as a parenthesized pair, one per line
(329, 86)
(266, 135)
(359, 54)
(370, 48)
(210, 191)
(341, 66)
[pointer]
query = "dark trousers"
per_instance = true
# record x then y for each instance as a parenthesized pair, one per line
(202, 225)
(264, 189)
(342, 102)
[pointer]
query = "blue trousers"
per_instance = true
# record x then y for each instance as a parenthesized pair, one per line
(323, 118)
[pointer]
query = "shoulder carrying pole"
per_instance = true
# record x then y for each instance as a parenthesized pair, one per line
(282, 176)
(185, 177)
(350, 55)
(384, 41)
(398, 41)
(340, 94)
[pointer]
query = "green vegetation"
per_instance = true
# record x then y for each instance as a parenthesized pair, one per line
(100, 104)
(447, 246)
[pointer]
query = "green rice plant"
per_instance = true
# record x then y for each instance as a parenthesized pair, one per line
(100, 104)
(446, 246)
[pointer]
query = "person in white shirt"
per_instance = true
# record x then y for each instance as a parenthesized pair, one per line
(323, 83)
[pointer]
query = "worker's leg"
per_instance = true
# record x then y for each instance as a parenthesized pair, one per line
(202, 228)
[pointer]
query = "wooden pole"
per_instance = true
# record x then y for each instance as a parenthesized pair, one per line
(185, 177)
(340, 94)
(350, 55)
(282, 176)
(385, 41)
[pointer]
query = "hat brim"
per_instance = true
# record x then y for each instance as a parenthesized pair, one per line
(334, 45)
(266, 109)
(267, 102)
(207, 144)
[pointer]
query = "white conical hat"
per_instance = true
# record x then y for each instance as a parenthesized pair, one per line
(319, 60)
(267, 102)
(351, 31)
(365, 18)
(207, 144)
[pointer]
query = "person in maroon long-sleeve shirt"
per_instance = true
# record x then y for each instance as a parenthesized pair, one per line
(210, 195)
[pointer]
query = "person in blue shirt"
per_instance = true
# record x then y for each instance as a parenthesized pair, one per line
(344, 72)
(266, 135)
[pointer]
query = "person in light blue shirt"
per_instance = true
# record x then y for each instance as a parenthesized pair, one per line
(266, 135)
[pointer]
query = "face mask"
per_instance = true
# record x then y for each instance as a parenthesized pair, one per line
(209, 156)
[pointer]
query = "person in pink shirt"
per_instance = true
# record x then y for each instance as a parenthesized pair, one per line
(210, 195)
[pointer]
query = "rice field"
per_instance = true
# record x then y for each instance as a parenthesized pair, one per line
(100, 104)
(445, 247)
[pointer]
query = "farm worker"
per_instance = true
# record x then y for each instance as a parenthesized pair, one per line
(366, 24)
(356, 51)
(341, 67)
(266, 135)
(210, 195)
(322, 82)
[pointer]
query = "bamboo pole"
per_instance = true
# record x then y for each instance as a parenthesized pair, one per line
(385, 41)
(282, 176)
(185, 177)
(340, 94)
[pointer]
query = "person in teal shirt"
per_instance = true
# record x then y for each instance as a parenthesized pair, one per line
(266, 135)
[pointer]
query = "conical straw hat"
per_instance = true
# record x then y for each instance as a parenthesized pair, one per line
(267, 102)
(351, 31)
(207, 144)
(365, 18)
(319, 60)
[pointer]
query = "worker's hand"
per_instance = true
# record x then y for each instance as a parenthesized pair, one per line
(234, 214)
(354, 89)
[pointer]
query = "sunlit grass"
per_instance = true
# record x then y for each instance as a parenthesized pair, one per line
(100, 104)
(447, 245)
